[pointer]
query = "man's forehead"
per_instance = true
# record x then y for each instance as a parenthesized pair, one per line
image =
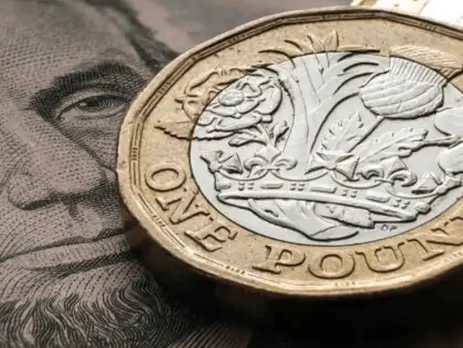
(22, 18)
(43, 40)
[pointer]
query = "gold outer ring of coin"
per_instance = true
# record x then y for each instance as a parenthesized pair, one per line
(159, 189)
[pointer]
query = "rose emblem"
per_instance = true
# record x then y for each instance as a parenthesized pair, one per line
(250, 101)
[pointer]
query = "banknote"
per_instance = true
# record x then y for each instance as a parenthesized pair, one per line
(69, 70)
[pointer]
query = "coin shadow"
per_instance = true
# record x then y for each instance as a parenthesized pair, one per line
(427, 315)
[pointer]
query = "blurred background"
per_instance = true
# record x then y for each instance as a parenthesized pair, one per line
(182, 24)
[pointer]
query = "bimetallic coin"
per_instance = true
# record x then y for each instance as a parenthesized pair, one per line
(313, 153)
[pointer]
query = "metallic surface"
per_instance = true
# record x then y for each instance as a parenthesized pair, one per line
(159, 188)
(306, 153)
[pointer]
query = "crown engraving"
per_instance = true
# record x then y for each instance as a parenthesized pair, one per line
(336, 145)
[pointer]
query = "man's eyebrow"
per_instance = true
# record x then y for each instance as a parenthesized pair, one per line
(46, 100)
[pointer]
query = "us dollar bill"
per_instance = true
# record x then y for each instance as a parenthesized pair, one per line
(69, 70)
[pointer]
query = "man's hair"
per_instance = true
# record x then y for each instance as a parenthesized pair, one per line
(155, 53)
(140, 315)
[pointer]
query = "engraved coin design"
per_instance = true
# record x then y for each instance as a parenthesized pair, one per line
(304, 152)
(313, 153)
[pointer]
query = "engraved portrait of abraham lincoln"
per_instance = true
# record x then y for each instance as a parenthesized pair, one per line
(68, 278)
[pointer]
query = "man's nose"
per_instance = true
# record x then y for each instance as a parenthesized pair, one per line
(40, 164)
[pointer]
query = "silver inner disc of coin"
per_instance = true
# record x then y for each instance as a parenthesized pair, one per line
(336, 148)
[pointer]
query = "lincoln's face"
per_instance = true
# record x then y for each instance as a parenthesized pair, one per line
(68, 71)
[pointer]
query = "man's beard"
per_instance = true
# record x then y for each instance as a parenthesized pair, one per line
(137, 316)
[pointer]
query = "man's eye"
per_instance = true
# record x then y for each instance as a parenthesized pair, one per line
(95, 107)
(99, 104)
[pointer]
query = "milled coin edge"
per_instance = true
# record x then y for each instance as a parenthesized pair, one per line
(141, 108)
